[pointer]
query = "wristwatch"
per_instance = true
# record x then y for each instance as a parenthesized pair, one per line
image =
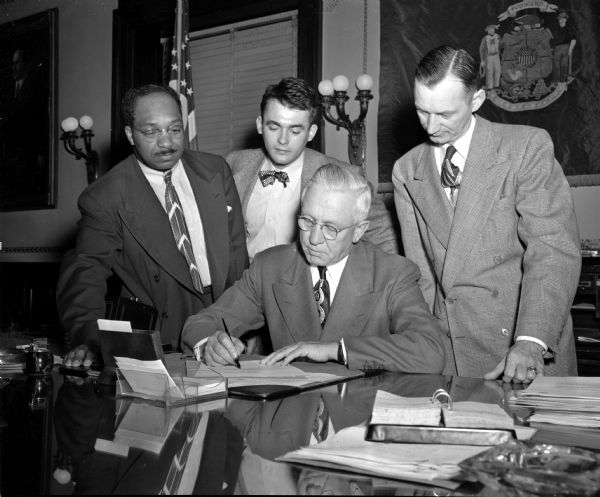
(342, 355)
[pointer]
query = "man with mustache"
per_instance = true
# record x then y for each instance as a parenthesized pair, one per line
(166, 222)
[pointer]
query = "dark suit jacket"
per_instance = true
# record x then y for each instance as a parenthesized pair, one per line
(246, 164)
(378, 309)
(506, 261)
(125, 230)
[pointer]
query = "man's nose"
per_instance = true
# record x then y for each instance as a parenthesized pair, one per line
(316, 235)
(164, 138)
(433, 124)
(283, 137)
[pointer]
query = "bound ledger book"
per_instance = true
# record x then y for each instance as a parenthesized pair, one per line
(437, 419)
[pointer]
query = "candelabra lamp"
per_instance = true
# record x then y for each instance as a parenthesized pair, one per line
(69, 136)
(334, 92)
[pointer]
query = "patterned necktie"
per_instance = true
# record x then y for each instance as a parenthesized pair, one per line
(268, 177)
(322, 295)
(321, 423)
(180, 230)
(450, 174)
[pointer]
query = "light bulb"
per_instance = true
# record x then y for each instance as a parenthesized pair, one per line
(86, 122)
(340, 83)
(69, 124)
(326, 88)
(364, 82)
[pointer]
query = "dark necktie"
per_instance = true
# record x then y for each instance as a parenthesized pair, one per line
(268, 177)
(322, 295)
(450, 174)
(180, 230)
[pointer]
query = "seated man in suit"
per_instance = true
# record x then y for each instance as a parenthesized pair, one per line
(166, 221)
(270, 180)
(333, 298)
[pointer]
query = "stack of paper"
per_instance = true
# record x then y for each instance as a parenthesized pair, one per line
(348, 450)
(569, 400)
(468, 414)
(390, 409)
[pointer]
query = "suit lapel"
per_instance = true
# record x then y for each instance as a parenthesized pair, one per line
(482, 178)
(354, 298)
(294, 296)
(149, 225)
(311, 162)
(429, 197)
(248, 176)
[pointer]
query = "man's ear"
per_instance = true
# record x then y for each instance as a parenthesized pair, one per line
(359, 231)
(259, 125)
(477, 100)
(312, 131)
(129, 134)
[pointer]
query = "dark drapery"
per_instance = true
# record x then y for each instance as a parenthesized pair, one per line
(410, 29)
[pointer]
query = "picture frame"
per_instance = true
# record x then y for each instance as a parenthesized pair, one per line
(28, 110)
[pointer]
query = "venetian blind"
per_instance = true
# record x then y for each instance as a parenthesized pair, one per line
(231, 67)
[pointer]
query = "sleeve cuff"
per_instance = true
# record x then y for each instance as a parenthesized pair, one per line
(199, 349)
(532, 339)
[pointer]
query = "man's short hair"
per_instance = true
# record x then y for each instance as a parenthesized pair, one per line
(335, 178)
(131, 97)
(294, 93)
(445, 60)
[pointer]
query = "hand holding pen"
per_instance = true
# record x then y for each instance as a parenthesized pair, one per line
(236, 360)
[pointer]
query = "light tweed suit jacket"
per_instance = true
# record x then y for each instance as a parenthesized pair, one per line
(245, 165)
(506, 261)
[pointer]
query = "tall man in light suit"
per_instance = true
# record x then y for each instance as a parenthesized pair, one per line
(288, 112)
(491, 226)
(370, 311)
(129, 221)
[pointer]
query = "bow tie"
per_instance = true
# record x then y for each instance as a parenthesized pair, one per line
(269, 177)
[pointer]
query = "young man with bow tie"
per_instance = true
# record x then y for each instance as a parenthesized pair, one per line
(332, 297)
(270, 180)
(487, 214)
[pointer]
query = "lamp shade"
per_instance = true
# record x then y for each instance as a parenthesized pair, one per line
(326, 87)
(86, 122)
(340, 83)
(69, 124)
(364, 82)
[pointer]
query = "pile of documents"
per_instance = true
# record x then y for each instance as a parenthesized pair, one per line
(569, 400)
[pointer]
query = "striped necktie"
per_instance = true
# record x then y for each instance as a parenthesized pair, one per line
(322, 295)
(180, 230)
(450, 174)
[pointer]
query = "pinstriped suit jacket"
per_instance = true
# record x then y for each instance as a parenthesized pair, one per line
(506, 261)
(245, 165)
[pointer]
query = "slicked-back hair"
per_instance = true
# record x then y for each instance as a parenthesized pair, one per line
(445, 60)
(133, 94)
(335, 178)
(294, 93)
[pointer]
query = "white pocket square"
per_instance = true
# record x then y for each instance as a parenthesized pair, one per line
(229, 209)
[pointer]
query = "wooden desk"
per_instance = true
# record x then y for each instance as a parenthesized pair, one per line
(228, 449)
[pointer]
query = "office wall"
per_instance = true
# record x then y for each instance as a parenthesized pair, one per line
(84, 87)
(343, 54)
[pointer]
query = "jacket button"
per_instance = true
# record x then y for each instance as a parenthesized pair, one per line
(505, 332)
(449, 335)
(164, 315)
(495, 294)
(497, 259)
(156, 277)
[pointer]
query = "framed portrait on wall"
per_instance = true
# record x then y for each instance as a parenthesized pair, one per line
(539, 65)
(28, 102)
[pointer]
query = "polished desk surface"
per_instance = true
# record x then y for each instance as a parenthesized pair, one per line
(52, 428)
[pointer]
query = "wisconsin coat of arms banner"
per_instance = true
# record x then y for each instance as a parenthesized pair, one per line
(539, 65)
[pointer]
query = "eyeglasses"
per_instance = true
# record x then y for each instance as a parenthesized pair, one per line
(306, 223)
(151, 134)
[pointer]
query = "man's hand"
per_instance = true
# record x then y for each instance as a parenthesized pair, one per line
(315, 351)
(522, 364)
(220, 350)
(82, 355)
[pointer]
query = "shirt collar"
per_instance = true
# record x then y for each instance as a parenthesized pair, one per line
(462, 144)
(293, 169)
(155, 174)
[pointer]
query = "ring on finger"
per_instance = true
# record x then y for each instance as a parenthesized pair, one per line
(532, 370)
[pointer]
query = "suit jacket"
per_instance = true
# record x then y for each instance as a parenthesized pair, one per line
(506, 261)
(125, 231)
(378, 309)
(246, 164)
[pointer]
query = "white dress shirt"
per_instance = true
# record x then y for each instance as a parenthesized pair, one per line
(272, 210)
(190, 211)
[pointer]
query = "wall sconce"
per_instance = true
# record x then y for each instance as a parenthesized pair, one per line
(335, 92)
(69, 135)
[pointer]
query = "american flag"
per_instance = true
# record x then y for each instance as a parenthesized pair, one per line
(181, 71)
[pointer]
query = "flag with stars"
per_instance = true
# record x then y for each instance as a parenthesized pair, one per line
(181, 71)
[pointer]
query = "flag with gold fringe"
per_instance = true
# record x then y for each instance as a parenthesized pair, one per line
(181, 71)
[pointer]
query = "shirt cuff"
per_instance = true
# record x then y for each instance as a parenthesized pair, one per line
(532, 339)
(199, 349)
